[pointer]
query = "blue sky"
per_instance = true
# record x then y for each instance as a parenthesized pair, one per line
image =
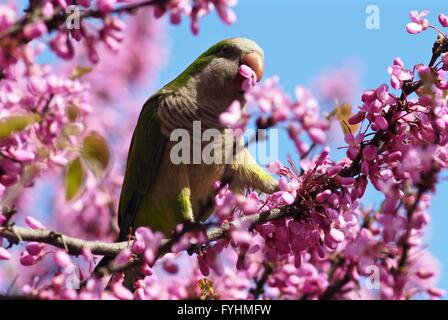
(303, 38)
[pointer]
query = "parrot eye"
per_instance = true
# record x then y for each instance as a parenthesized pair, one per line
(224, 50)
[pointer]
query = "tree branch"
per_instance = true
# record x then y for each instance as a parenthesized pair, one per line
(60, 17)
(336, 287)
(16, 234)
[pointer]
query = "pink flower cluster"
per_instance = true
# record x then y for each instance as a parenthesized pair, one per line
(326, 243)
(400, 145)
(420, 23)
(46, 112)
(195, 9)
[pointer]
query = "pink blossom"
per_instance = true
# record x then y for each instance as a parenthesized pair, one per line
(35, 30)
(87, 254)
(146, 270)
(226, 14)
(84, 3)
(242, 238)
(398, 73)
(204, 268)
(443, 19)
(62, 46)
(62, 259)
(354, 144)
(435, 292)
(195, 10)
(33, 223)
(418, 23)
(149, 256)
(225, 201)
(425, 274)
(27, 259)
(121, 292)
(234, 118)
(356, 118)
(322, 196)
(106, 5)
(369, 153)
(47, 10)
(288, 190)
(317, 135)
(7, 16)
(123, 257)
(138, 247)
(380, 122)
(249, 75)
(275, 167)
(392, 225)
(34, 248)
(170, 266)
(112, 33)
(4, 254)
(248, 205)
(336, 235)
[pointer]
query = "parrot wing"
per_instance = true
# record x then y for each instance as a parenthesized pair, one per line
(144, 157)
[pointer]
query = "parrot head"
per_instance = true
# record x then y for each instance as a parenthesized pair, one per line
(214, 75)
(228, 55)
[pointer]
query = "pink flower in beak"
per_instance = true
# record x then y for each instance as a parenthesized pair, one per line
(249, 74)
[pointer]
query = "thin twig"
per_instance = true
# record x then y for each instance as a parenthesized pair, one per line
(260, 282)
(333, 289)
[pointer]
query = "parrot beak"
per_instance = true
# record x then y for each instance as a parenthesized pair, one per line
(256, 62)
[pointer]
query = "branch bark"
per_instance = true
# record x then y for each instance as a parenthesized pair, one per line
(16, 234)
(72, 245)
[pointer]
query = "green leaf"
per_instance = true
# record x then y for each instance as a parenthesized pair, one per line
(343, 113)
(72, 112)
(74, 179)
(72, 129)
(95, 152)
(16, 123)
(80, 71)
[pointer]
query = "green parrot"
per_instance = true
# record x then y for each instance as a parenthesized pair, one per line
(159, 194)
